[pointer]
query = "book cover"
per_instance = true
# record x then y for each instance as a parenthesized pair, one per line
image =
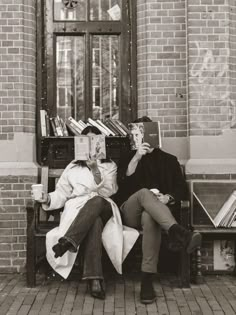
(224, 255)
(145, 132)
(86, 147)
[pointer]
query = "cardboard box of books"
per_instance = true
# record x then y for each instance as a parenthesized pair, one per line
(145, 132)
(93, 147)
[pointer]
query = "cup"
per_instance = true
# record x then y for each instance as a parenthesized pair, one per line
(37, 190)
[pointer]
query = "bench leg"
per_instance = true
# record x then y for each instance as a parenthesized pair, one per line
(199, 277)
(30, 258)
(184, 269)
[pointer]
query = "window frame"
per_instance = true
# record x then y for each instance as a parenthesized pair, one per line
(48, 30)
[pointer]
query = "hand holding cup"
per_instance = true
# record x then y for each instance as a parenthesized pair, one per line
(38, 194)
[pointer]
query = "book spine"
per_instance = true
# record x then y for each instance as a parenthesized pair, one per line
(120, 133)
(75, 123)
(47, 126)
(121, 130)
(53, 126)
(105, 127)
(73, 130)
(95, 124)
(58, 127)
(123, 126)
(64, 130)
(109, 125)
(43, 122)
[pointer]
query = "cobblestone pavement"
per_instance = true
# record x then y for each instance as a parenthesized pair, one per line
(216, 296)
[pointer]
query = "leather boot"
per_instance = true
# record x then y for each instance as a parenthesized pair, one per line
(147, 293)
(182, 238)
(62, 247)
(96, 289)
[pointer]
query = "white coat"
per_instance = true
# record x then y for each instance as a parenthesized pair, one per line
(74, 188)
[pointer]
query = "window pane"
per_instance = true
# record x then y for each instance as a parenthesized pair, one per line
(105, 10)
(105, 76)
(70, 76)
(70, 10)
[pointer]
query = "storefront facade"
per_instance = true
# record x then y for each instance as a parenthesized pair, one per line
(179, 68)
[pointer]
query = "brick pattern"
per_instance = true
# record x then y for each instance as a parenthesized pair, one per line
(216, 296)
(210, 103)
(17, 67)
(232, 62)
(161, 59)
(14, 194)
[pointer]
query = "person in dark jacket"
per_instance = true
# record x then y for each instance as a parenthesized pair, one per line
(151, 187)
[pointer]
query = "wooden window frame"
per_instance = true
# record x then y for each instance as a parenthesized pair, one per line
(47, 30)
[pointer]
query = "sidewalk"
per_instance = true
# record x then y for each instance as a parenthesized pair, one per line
(216, 296)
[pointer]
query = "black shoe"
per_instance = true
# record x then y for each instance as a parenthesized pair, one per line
(182, 238)
(96, 289)
(61, 248)
(147, 293)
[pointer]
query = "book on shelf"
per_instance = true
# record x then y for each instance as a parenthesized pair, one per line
(86, 147)
(98, 126)
(74, 124)
(72, 129)
(121, 131)
(111, 133)
(110, 126)
(226, 215)
(123, 126)
(145, 132)
(45, 129)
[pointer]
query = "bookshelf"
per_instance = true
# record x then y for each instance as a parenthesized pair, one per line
(212, 194)
(57, 152)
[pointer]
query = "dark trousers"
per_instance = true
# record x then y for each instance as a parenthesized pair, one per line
(86, 230)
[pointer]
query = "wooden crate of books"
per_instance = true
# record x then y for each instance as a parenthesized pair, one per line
(213, 213)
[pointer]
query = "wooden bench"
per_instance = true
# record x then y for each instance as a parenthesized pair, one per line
(40, 222)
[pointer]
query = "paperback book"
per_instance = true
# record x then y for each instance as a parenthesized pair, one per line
(89, 147)
(145, 132)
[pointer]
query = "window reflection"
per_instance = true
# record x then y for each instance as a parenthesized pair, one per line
(70, 76)
(105, 76)
(105, 10)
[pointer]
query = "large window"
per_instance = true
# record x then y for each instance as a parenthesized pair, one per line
(87, 58)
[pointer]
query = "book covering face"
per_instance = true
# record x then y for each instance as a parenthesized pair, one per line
(90, 147)
(144, 132)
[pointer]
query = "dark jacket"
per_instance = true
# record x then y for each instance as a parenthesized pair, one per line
(158, 169)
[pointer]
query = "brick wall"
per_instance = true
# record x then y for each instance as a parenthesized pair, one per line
(209, 75)
(17, 67)
(161, 34)
(14, 194)
(232, 61)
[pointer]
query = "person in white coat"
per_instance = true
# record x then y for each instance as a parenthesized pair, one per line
(83, 190)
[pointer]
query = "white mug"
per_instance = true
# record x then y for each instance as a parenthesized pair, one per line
(37, 191)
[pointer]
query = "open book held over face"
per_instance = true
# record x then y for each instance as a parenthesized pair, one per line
(90, 147)
(145, 132)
